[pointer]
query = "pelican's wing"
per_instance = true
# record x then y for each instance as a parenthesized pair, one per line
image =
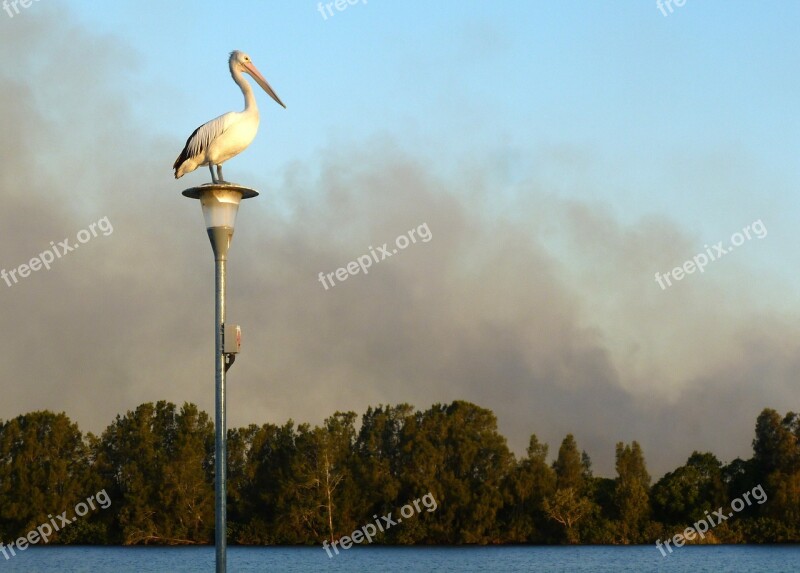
(201, 138)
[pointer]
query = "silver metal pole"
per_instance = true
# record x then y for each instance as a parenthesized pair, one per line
(220, 241)
(220, 424)
(216, 201)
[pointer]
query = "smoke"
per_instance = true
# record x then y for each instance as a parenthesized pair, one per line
(540, 307)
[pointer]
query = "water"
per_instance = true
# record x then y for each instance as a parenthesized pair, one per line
(697, 559)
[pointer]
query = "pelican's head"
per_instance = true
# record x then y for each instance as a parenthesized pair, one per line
(239, 61)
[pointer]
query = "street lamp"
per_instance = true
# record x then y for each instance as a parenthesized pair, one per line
(220, 203)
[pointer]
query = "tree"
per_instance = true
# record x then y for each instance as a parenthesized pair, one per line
(455, 453)
(160, 464)
(240, 444)
(44, 469)
(187, 491)
(323, 470)
(567, 506)
(775, 445)
(631, 494)
(274, 507)
(526, 487)
(683, 495)
(570, 466)
(377, 463)
(777, 461)
(571, 502)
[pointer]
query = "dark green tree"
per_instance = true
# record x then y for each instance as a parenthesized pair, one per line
(323, 470)
(377, 463)
(571, 502)
(775, 444)
(44, 469)
(631, 494)
(240, 444)
(455, 453)
(777, 462)
(275, 505)
(526, 487)
(160, 463)
(683, 495)
(570, 465)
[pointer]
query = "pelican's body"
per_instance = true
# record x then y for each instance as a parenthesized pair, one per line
(215, 142)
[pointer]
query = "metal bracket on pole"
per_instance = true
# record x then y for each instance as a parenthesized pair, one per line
(232, 343)
(229, 360)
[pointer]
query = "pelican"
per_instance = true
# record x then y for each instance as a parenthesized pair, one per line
(215, 142)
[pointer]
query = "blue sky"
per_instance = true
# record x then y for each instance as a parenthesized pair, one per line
(562, 152)
(649, 99)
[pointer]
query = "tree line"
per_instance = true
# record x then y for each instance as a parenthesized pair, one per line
(298, 484)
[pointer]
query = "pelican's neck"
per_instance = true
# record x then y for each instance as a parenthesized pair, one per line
(249, 99)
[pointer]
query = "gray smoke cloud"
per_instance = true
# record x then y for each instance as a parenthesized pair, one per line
(540, 307)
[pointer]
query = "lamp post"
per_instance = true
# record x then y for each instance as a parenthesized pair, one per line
(220, 203)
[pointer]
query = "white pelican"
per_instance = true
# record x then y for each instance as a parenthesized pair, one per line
(215, 142)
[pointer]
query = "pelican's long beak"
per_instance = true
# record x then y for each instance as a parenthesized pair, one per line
(253, 71)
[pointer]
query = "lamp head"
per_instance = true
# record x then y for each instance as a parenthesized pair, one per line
(220, 203)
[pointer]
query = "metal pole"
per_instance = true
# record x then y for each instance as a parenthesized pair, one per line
(220, 446)
(220, 242)
(220, 203)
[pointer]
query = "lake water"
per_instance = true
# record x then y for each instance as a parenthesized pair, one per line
(698, 559)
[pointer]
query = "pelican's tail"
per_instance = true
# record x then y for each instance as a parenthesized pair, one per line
(183, 166)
